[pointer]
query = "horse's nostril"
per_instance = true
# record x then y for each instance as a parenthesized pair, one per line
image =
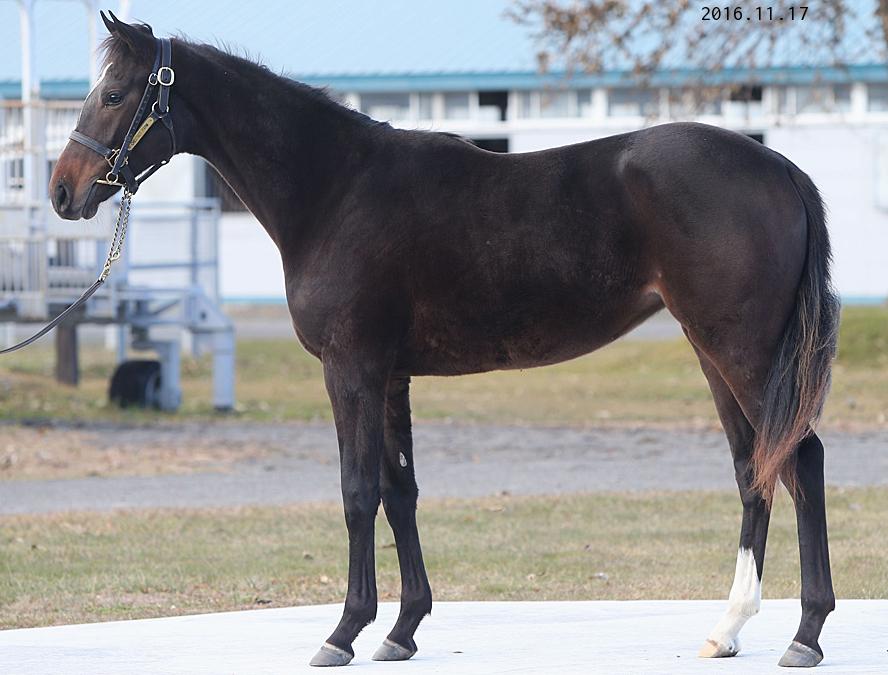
(61, 196)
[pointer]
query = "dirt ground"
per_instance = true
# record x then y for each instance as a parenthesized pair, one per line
(53, 468)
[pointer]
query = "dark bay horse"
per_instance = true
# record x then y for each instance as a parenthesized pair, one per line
(415, 253)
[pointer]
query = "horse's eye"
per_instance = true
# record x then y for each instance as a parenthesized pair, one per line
(113, 98)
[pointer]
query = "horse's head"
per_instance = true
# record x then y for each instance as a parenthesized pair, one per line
(84, 176)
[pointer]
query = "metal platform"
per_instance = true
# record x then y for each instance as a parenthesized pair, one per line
(459, 637)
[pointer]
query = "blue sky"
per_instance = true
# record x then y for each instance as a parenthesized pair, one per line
(303, 37)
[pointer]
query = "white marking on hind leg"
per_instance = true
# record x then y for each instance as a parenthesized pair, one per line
(744, 602)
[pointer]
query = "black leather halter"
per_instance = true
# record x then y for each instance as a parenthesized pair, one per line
(160, 80)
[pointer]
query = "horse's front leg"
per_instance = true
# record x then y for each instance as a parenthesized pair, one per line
(357, 393)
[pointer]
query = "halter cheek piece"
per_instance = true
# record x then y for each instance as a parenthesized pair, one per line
(160, 80)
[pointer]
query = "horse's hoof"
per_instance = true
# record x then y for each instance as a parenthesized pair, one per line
(331, 655)
(716, 650)
(392, 651)
(800, 656)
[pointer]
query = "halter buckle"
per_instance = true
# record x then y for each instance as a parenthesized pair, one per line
(158, 77)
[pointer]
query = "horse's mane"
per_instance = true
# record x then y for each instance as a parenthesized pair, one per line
(116, 49)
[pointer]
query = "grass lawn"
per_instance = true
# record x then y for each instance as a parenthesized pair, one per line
(67, 568)
(628, 382)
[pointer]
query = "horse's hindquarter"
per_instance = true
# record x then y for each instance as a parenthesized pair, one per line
(725, 226)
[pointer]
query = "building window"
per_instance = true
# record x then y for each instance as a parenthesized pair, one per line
(584, 103)
(842, 97)
(632, 102)
(555, 104)
(812, 99)
(456, 105)
(426, 106)
(747, 93)
(816, 98)
(781, 100)
(877, 97)
(493, 106)
(14, 174)
(526, 104)
(386, 107)
(691, 103)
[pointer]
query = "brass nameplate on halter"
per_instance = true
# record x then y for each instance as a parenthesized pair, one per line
(146, 125)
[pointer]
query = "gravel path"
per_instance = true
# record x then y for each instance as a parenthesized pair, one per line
(452, 461)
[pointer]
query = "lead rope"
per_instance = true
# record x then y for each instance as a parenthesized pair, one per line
(114, 254)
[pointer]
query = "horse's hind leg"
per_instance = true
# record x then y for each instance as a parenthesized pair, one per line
(745, 597)
(818, 599)
(742, 370)
(399, 495)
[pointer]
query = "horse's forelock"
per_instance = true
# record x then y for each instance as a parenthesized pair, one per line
(116, 49)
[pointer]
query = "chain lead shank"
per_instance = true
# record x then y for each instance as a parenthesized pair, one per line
(119, 234)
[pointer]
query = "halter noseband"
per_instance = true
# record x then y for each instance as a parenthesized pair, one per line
(161, 78)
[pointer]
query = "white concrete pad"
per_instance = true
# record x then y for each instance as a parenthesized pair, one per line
(459, 637)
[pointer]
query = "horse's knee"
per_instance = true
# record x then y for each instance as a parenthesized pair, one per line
(361, 505)
(820, 605)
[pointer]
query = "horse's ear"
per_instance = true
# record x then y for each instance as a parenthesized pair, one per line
(139, 38)
(109, 24)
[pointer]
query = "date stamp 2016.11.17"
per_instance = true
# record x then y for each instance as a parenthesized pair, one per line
(757, 13)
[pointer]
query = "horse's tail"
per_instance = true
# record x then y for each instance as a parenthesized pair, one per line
(799, 378)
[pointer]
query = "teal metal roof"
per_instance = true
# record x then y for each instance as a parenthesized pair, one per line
(75, 89)
(354, 45)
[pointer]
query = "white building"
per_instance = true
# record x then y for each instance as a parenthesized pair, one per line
(462, 67)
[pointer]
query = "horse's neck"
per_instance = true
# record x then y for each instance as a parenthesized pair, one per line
(282, 148)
